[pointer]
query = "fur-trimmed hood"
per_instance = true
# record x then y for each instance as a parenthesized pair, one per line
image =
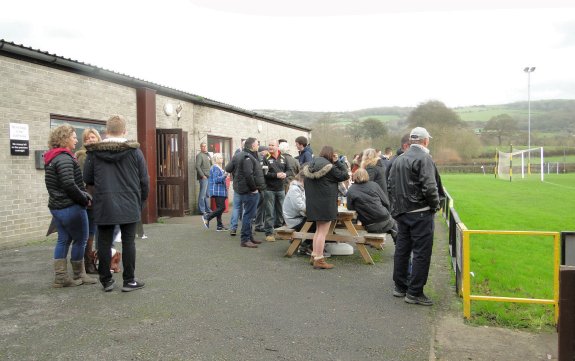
(112, 151)
(317, 168)
(112, 146)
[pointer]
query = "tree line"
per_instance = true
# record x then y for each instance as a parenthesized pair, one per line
(454, 141)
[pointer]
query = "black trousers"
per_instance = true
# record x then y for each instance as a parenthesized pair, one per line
(220, 208)
(105, 239)
(415, 235)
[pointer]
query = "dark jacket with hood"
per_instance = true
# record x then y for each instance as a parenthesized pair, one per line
(63, 179)
(370, 203)
(119, 174)
(412, 182)
(247, 171)
(305, 155)
(321, 179)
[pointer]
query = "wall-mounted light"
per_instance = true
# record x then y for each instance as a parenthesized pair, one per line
(168, 109)
(179, 111)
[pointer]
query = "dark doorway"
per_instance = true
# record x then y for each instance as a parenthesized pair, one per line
(172, 162)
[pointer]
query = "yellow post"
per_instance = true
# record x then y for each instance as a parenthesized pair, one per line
(556, 263)
(466, 276)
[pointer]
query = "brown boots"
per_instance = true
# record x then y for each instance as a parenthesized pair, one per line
(80, 272)
(321, 264)
(90, 257)
(62, 279)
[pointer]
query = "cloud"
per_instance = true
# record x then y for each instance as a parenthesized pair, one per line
(306, 8)
(14, 30)
(567, 31)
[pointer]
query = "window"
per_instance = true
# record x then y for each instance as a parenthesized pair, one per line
(220, 145)
(79, 125)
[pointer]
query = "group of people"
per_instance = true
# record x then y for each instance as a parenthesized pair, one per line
(107, 184)
(104, 186)
(397, 194)
(261, 176)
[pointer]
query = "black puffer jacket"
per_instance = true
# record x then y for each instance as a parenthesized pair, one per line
(371, 204)
(412, 182)
(119, 174)
(247, 171)
(321, 179)
(63, 180)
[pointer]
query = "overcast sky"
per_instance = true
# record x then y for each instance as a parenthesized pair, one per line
(321, 55)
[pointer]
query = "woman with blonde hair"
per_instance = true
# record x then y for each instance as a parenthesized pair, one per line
(89, 136)
(67, 202)
(217, 189)
(371, 204)
(376, 173)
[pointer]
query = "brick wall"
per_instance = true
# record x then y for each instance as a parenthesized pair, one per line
(29, 93)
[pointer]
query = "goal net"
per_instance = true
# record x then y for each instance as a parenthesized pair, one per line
(520, 164)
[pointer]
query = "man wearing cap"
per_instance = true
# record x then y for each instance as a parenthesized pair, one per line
(414, 197)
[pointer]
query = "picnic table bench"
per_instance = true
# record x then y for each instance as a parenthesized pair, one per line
(344, 218)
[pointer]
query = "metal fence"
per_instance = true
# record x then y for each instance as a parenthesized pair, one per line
(459, 249)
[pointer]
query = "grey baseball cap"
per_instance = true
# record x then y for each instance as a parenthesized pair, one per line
(419, 133)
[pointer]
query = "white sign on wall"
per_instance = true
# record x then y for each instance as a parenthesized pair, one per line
(19, 139)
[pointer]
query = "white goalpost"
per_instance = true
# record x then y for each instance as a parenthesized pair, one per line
(520, 164)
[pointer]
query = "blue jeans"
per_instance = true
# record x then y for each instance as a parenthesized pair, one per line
(415, 237)
(250, 203)
(203, 199)
(72, 224)
(236, 212)
(273, 202)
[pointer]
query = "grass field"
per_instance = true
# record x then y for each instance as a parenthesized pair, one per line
(477, 113)
(513, 266)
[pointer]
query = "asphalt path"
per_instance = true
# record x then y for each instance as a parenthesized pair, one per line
(206, 298)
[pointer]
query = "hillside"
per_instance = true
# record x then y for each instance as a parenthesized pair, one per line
(546, 115)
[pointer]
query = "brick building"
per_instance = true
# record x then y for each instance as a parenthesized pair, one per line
(39, 90)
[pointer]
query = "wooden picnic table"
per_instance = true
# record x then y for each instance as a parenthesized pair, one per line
(344, 218)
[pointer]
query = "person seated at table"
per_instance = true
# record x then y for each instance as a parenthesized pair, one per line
(294, 210)
(371, 204)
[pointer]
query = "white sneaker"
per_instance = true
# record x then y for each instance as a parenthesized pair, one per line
(144, 236)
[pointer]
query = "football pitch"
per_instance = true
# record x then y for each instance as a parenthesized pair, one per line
(513, 266)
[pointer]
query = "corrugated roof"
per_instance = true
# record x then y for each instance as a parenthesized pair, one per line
(22, 52)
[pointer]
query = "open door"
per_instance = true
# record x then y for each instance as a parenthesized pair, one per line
(172, 162)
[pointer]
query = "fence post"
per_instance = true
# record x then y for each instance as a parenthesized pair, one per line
(566, 326)
(466, 277)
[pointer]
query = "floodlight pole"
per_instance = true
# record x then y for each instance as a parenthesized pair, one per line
(529, 70)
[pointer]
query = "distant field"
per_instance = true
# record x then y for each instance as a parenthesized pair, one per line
(383, 118)
(513, 266)
(486, 113)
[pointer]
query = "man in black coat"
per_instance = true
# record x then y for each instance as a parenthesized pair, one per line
(248, 182)
(414, 197)
(118, 171)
